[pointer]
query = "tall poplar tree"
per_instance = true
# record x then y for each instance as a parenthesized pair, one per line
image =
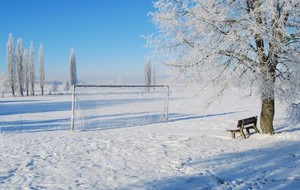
(153, 75)
(19, 63)
(73, 72)
(41, 68)
(147, 72)
(31, 69)
(10, 61)
(26, 71)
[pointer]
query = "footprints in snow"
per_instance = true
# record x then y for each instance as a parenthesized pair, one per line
(8, 175)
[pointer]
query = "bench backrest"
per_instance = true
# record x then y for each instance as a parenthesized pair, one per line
(247, 121)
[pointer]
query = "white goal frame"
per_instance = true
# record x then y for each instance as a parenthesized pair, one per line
(146, 87)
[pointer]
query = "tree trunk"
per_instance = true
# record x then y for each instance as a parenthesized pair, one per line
(267, 116)
(21, 90)
(268, 97)
(13, 91)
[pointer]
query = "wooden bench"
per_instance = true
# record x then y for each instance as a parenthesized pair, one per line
(245, 124)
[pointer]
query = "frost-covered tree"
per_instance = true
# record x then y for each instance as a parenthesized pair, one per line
(67, 86)
(147, 72)
(153, 75)
(31, 69)
(26, 71)
(54, 87)
(294, 113)
(10, 61)
(3, 84)
(73, 72)
(226, 39)
(19, 63)
(41, 68)
(2, 79)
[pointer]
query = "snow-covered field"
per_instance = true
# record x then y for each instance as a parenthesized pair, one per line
(192, 150)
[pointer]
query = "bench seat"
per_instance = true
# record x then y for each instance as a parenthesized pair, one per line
(245, 124)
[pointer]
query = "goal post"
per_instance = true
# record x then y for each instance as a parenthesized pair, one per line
(116, 106)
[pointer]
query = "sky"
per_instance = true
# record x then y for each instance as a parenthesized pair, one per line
(106, 35)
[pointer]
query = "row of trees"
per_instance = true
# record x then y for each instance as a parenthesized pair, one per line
(21, 67)
(20, 76)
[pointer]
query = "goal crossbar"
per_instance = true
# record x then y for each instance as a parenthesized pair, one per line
(122, 86)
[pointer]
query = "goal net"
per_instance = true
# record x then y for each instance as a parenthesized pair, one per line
(115, 106)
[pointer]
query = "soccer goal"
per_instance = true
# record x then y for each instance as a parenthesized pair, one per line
(116, 106)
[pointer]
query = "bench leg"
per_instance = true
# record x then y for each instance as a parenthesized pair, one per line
(248, 131)
(243, 134)
(256, 130)
(233, 135)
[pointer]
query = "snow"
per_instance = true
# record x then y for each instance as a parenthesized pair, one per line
(192, 150)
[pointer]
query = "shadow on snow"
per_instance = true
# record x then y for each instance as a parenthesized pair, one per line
(275, 167)
(17, 109)
(35, 126)
(181, 117)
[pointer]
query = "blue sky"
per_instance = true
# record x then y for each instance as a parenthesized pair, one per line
(106, 35)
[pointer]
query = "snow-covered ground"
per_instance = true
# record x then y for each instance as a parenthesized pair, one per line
(192, 150)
